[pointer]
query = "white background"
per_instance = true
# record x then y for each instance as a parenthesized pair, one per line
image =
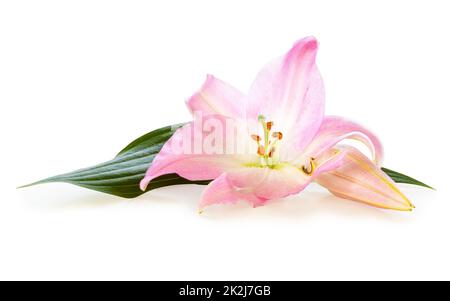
(81, 79)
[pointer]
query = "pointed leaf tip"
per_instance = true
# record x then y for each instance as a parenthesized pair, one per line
(402, 178)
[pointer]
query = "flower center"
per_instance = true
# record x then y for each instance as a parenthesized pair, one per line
(267, 146)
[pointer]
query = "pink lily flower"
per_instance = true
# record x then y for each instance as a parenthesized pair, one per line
(294, 145)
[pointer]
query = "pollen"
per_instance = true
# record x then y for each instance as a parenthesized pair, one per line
(261, 150)
(277, 135)
(256, 138)
(309, 168)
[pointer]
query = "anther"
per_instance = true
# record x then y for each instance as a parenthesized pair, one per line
(277, 135)
(310, 169)
(261, 150)
(256, 138)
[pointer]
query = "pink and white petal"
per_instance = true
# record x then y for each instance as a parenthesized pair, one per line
(334, 129)
(329, 160)
(284, 179)
(217, 97)
(309, 118)
(258, 185)
(359, 179)
(284, 81)
(185, 154)
(255, 185)
(290, 92)
(269, 183)
(220, 191)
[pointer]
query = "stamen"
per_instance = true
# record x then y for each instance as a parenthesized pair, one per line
(277, 135)
(267, 146)
(256, 138)
(309, 169)
(261, 150)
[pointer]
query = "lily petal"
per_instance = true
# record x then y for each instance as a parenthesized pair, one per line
(217, 97)
(179, 155)
(221, 191)
(290, 90)
(335, 129)
(258, 185)
(254, 185)
(359, 179)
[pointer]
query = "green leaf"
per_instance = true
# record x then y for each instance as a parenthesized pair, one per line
(401, 178)
(121, 175)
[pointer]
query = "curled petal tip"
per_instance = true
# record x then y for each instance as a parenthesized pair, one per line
(143, 184)
(312, 42)
(309, 41)
(216, 97)
(305, 45)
